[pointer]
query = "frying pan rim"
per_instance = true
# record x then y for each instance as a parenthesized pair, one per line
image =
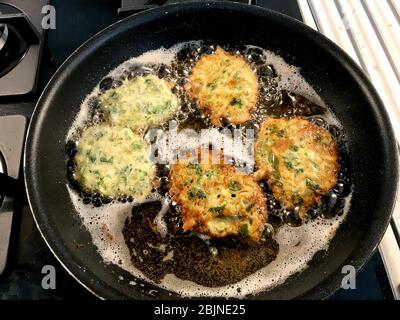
(150, 15)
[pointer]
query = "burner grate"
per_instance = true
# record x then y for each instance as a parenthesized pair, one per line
(21, 45)
(12, 135)
(12, 48)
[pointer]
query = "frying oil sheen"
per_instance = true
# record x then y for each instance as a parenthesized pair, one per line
(283, 92)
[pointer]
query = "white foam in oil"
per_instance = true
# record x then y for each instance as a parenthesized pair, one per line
(297, 246)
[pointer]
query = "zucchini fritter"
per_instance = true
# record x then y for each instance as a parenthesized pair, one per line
(139, 103)
(225, 87)
(217, 200)
(298, 159)
(113, 161)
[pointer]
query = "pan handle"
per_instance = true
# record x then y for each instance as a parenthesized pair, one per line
(9, 186)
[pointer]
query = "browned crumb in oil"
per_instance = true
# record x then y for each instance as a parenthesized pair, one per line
(187, 256)
(106, 232)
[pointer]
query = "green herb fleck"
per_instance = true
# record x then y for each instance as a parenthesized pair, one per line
(92, 157)
(289, 164)
(196, 167)
(244, 230)
(137, 146)
(297, 200)
(212, 85)
(210, 174)
(98, 135)
(105, 160)
(237, 102)
(218, 210)
(114, 95)
(234, 186)
(250, 207)
(126, 170)
(196, 193)
(277, 132)
(292, 163)
(168, 104)
(311, 184)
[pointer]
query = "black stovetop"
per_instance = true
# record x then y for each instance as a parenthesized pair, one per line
(77, 21)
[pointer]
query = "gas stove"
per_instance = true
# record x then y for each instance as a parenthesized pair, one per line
(29, 56)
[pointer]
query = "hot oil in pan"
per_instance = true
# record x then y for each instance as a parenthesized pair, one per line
(216, 268)
(208, 262)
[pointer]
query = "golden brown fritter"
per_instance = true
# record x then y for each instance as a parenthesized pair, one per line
(298, 159)
(217, 200)
(140, 103)
(113, 161)
(225, 86)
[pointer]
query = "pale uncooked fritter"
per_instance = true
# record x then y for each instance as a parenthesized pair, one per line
(140, 103)
(225, 87)
(298, 159)
(217, 200)
(113, 161)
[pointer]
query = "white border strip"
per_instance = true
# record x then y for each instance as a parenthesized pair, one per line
(378, 66)
(390, 255)
(307, 15)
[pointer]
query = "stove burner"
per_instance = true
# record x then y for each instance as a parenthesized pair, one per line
(21, 43)
(3, 35)
(12, 48)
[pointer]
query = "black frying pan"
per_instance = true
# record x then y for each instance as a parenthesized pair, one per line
(373, 153)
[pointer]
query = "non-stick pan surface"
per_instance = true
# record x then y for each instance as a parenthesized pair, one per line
(373, 153)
